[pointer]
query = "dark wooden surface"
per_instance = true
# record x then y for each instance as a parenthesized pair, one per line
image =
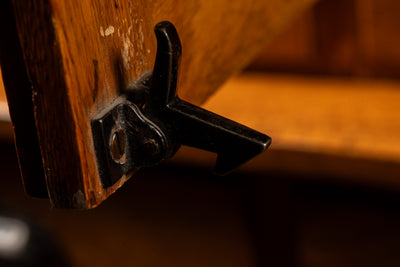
(183, 216)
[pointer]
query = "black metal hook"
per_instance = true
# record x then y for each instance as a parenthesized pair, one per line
(152, 122)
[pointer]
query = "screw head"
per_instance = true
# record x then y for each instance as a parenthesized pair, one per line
(151, 147)
(118, 146)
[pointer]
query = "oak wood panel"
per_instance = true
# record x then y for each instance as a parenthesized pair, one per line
(80, 54)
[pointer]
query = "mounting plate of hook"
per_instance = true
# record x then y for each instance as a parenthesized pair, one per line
(150, 122)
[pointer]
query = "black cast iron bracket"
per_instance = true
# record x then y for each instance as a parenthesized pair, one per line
(149, 122)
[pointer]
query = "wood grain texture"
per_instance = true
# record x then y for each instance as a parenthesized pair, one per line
(81, 54)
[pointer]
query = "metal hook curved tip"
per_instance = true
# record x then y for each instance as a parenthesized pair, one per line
(167, 38)
(165, 72)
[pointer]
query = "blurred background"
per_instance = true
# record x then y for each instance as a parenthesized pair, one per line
(327, 192)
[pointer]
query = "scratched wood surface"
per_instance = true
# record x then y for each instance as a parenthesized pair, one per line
(80, 54)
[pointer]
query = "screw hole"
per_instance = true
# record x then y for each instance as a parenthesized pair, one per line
(118, 146)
